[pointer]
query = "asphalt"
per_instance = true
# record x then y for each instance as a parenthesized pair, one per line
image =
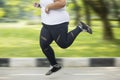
(75, 73)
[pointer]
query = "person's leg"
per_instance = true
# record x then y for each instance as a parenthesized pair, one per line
(61, 35)
(45, 41)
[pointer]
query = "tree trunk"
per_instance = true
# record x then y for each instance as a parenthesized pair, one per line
(88, 17)
(117, 12)
(107, 32)
(77, 9)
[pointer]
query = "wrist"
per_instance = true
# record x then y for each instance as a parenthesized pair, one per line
(39, 5)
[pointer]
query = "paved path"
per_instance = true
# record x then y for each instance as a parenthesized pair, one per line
(83, 73)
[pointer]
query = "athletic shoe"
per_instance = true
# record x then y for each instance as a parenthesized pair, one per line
(55, 68)
(85, 27)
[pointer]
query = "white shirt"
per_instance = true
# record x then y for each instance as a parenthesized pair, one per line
(54, 17)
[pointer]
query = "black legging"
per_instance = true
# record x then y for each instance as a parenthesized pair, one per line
(58, 33)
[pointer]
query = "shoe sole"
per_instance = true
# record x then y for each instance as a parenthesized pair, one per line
(53, 72)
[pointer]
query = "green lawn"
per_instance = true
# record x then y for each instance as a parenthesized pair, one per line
(24, 42)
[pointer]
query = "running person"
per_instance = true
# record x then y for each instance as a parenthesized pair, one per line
(55, 21)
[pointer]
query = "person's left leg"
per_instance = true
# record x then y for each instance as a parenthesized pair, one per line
(61, 35)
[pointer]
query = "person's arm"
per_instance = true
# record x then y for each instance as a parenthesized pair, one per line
(56, 5)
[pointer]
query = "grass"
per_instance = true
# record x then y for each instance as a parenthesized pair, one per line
(24, 42)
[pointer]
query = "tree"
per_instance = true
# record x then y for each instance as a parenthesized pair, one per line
(2, 11)
(101, 9)
(116, 10)
(1, 3)
(77, 13)
(87, 13)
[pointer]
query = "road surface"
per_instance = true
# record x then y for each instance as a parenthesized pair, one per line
(81, 73)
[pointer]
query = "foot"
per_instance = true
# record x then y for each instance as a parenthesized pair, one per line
(55, 68)
(85, 27)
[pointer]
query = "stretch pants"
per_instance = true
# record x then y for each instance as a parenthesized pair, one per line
(58, 33)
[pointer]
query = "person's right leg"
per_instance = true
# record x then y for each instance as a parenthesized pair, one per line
(45, 41)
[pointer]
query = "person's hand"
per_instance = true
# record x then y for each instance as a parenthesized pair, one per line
(47, 9)
(36, 5)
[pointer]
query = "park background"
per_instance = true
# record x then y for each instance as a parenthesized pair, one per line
(20, 27)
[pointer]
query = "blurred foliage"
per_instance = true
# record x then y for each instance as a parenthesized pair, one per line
(21, 40)
(24, 8)
(88, 10)
(2, 12)
(17, 9)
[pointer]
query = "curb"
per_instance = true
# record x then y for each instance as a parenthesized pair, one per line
(65, 62)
